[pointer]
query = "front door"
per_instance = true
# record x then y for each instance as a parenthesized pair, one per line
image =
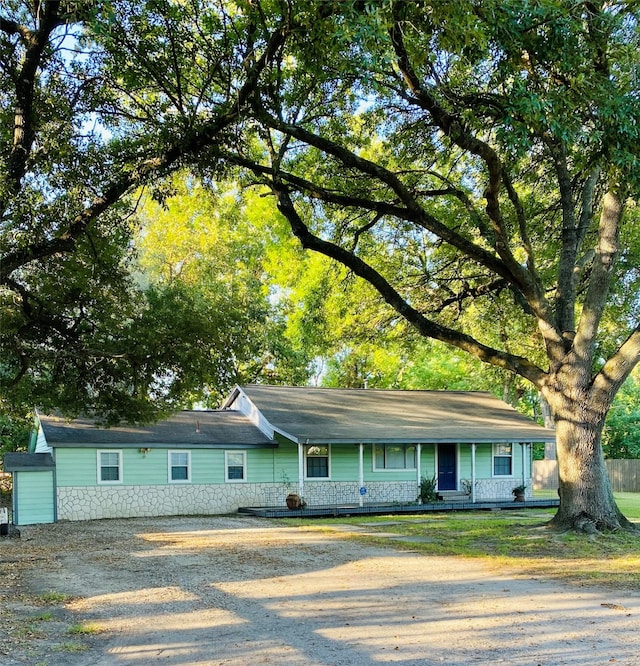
(447, 472)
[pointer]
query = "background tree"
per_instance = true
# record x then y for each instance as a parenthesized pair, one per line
(98, 100)
(461, 158)
(203, 252)
(621, 437)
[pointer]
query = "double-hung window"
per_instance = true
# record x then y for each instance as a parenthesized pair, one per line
(179, 466)
(502, 460)
(235, 465)
(393, 457)
(317, 462)
(109, 466)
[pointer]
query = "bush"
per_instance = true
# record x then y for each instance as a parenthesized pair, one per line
(428, 489)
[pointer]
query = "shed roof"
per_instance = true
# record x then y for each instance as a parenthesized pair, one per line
(28, 462)
(195, 429)
(325, 415)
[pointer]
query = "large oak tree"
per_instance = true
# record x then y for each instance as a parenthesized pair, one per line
(478, 157)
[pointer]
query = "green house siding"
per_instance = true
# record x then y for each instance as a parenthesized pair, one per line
(34, 497)
(79, 467)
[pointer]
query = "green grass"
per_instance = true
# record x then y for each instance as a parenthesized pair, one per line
(54, 598)
(519, 540)
(71, 647)
(83, 630)
(629, 504)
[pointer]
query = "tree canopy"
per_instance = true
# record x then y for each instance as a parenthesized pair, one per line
(99, 100)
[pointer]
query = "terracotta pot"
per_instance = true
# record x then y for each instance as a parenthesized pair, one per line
(294, 501)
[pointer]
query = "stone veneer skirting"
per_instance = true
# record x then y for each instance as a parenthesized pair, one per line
(89, 503)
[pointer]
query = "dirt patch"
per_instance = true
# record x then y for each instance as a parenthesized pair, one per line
(239, 591)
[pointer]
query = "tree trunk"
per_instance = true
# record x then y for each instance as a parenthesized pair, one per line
(586, 498)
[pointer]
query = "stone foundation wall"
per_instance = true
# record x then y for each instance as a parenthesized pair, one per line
(88, 503)
(492, 489)
(338, 492)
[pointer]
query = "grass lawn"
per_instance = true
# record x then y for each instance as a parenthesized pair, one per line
(517, 540)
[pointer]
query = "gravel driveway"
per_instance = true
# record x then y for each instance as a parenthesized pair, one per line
(221, 590)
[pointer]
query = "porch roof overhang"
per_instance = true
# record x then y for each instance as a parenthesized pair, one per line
(310, 415)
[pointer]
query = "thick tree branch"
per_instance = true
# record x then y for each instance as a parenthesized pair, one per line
(455, 130)
(426, 327)
(618, 367)
(208, 135)
(601, 275)
(25, 128)
(566, 286)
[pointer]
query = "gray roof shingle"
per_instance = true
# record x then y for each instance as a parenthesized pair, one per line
(195, 429)
(317, 415)
(32, 462)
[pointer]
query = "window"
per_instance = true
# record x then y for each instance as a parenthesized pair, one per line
(179, 466)
(391, 457)
(109, 466)
(235, 464)
(317, 462)
(502, 459)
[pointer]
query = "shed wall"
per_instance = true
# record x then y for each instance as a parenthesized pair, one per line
(33, 497)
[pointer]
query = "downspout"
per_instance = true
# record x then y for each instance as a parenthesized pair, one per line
(419, 465)
(473, 472)
(524, 464)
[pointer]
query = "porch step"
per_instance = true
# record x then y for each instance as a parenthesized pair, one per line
(453, 496)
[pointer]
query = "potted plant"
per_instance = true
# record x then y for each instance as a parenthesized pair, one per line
(294, 501)
(518, 493)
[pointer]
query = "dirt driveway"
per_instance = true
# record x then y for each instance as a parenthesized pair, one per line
(186, 591)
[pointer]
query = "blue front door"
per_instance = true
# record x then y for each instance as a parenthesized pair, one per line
(447, 472)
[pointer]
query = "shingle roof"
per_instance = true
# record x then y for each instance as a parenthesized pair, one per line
(196, 429)
(20, 462)
(316, 415)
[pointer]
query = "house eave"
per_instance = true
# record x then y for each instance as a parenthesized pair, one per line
(156, 445)
(410, 440)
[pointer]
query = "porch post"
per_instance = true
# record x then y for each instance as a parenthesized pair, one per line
(419, 464)
(360, 473)
(523, 449)
(473, 472)
(301, 469)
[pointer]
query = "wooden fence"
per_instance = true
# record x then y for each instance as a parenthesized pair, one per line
(624, 475)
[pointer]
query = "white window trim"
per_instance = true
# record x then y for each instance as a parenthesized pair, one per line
(394, 469)
(318, 478)
(494, 455)
(170, 466)
(99, 453)
(244, 466)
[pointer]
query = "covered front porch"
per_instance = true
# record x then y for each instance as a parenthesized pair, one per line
(382, 473)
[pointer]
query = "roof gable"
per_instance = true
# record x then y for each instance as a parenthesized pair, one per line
(315, 415)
